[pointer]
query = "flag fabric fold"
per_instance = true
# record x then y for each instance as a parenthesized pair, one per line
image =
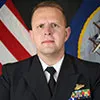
(83, 29)
(15, 41)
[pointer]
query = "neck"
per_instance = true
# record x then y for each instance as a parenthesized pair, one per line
(51, 59)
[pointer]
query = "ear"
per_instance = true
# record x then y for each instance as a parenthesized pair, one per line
(68, 31)
(31, 35)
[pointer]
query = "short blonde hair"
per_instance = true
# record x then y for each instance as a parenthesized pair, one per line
(50, 4)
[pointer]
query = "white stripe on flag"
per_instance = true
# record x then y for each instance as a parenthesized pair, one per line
(13, 24)
(5, 55)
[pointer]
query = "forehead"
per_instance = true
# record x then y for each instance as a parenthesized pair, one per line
(48, 9)
(47, 13)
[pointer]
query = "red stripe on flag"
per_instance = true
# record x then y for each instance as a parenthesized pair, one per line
(12, 44)
(13, 9)
(0, 68)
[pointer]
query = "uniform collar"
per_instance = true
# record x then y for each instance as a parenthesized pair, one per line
(56, 66)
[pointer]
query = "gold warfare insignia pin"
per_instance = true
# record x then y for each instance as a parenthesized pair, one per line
(79, 86)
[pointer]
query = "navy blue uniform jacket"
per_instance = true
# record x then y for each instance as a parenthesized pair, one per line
(25, 80)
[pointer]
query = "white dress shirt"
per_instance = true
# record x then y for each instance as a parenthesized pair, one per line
(56, 66)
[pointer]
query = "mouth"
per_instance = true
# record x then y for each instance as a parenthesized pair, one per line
(48, 41)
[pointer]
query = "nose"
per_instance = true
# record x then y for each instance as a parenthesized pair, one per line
(48, 31)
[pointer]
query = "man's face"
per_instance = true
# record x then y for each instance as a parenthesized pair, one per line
(48, 30)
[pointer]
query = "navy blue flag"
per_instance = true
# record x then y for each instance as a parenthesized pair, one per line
(84, 41)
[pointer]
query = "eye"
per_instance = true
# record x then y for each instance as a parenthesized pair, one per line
(41, 26)
(54, 25)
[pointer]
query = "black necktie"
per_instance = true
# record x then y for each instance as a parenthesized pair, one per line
(52, 82)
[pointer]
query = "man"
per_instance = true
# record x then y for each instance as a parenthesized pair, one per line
(30, 79)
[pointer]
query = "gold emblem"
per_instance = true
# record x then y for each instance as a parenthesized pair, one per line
(79, 86)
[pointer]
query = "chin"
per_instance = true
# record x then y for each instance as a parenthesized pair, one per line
(48, 52)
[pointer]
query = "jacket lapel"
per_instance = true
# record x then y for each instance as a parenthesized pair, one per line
(37, 81)
(66, 81)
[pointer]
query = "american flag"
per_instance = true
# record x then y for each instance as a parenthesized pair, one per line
(15, 41)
